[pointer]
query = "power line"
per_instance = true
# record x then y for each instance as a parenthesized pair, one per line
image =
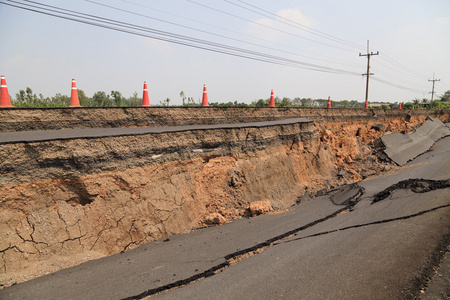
(170, 37)
(397, 85)
(243, 34)
(266, 26)
(387, 75)
(398, 70)
(148, 32)
(294, 24)
(301, 27)
(214, 34)
(399, 65)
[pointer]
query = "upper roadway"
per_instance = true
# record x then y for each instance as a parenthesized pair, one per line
(65, 134)
(380, 238)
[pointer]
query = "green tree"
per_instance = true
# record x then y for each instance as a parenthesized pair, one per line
(60, 100)
(100, 99)
(445, 96)
(344, 104)
(20, 96)
(83, 99)
(117, 98)
(261, 103)
(355, 104)
(435, 104)
(285, 102)
(165, 102)
(297, 101)
(322, 102)
(183, 97)
(27, 99)
(307, 102)
(134, 100)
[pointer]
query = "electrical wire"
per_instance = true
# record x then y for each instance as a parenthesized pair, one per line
(294, 24)
(399, 65)
(342, 62)
(301, 27)
(214, 34)
(396, 85)
(179, 39)
(267, 26)
(376, 62)
(170, 37)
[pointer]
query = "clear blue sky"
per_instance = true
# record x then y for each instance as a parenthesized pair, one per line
(413, 37)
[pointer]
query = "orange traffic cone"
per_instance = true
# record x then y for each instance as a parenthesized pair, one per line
(400, 105)
(329, 102)
(74, 102)
(272, 100)
(205, 96)
(5, 101)
(145, 100)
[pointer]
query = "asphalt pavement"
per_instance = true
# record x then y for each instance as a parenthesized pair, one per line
(402, 147)
(66, 134)
(377, 239)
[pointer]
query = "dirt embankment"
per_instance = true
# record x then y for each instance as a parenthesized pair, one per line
(64, 202)
(13, 119)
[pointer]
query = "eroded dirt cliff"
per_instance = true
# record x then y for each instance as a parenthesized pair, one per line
(65, 202)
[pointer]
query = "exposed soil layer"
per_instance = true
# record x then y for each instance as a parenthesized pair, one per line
(65, 202)
(12, 119)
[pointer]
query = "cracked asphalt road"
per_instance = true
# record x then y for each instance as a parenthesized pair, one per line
(342, 245)
(67, 134)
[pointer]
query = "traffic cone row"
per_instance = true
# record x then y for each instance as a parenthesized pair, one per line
(5, 101)
(75, 102)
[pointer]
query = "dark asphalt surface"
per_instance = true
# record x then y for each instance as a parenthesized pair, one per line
(403, 147)
(374, 251)
(64, 134)
(317, 250)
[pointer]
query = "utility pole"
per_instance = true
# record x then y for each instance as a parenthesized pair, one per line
(432, 90)
(368, 73)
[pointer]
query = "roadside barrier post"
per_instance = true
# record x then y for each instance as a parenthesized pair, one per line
(5, 101)
(74, 102)
(272, 100)
(205, 96)
(145, 99)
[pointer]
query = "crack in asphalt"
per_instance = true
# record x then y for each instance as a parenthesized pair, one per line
(369, 224)
(238, 256)
(416, 185)
(350, 195)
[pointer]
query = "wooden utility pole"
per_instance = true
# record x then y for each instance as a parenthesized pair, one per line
(368, 73)
(432, 90)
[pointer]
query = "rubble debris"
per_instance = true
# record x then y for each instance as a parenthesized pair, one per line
(378, 127)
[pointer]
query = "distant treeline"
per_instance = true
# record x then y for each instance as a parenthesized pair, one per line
(26, 98)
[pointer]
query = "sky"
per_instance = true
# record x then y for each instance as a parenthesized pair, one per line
(298, 48)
